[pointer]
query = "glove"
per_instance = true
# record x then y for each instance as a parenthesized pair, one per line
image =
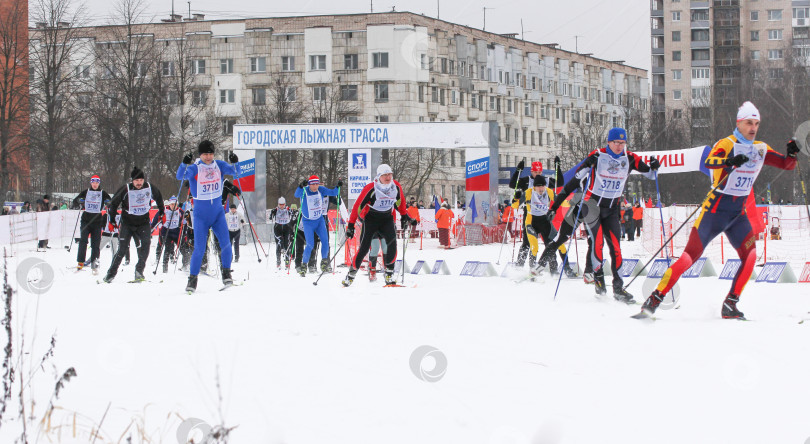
(233, 158)
(340, 183)
(81, 200)
(350, 230)
(518, 194)
(736, 161)
(520, 165)
(106, 202)
(592, 160)
(655, 164)
(404, 221)
(304, 183)
(187, 159)
(792, 149)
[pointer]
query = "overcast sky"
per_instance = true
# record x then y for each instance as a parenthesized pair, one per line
(610, 29)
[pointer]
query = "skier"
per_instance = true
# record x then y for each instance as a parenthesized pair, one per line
(282, 230)
(735, 162)
(608, 169)
(375, 206)
(92, 222)
(538, 223)
(522, 185)
(186, 243)
(170, 231)
(235, 221)
(206, 183)
(135, 201)
(312, 195)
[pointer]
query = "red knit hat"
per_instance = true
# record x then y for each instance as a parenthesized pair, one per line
(537, 167)
(95, 178)
(313, 179)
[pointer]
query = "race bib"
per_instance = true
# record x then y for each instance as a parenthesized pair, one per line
(314, 205)
(209, 181)
(92, 202)
(741, 180)
(173, 219)
(611, 174)
(140, 201)
(233, 221)
(385, 198)
(283, 216)
(539, 205)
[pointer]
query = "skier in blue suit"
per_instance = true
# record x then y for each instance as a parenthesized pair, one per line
(312, 194)
(206, 177)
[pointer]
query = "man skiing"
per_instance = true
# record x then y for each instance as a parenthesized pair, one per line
(375, 206)
(735, 162)
(235, 221)
(312, 195)
(206, 179)
(169, 232)
(608, 169)
(282, 230)
(135, 200)
(523, 184)
(92, 223)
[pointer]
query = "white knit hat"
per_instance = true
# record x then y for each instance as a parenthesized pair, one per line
(282, 200)
(384, 169)
(747, 111)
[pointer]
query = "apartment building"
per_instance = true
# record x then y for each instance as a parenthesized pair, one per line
(398, 67)
(699, 49)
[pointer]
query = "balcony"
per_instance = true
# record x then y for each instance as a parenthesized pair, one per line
(699, 5)
(701, 63)
(659, 89)
(433, 108)
(453, 111)
(801, 22)
(657, 51)
(657, 31)
(700, 24)
(701, 44)
(472, 114)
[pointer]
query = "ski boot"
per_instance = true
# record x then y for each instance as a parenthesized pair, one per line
(621, 295)
(599, 285)
(278, 263)
(165, 267)
(302, 270)
(79, 266)
(730, 310)
(126, 261)
(650, 305)
(325, 267)
(109, 277)
(588, 278)
(94, 266)
(139, 276)
(349, 277)
(552, 267)
(313, 268)
(521, 259)
(569, 272)
(191, 286)
(389, 277)
(227, 280)
(236, 259)
(372, 273)
(532, 260)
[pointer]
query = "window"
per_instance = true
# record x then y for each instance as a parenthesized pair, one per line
(167, 68)
(754, 16)
(288, 63)
(171, 97)
(474, 100)
(199, 97)
(509, 105)
(507, 132)
(677, 114)
(676, 94)
(700, 54)
(443, 64)
(700, 93)
(83, 101)
(227, 96)
(348, 92)
(379, 59)
(700, 15)
(381, 91)
(774, 34)
(676, 16)
(801, 33)
(776, 73)
(676, 36)
(317, 63)
(319, 93)
(424, 61)
(528, 109)
(83, 71)
(774, 54)
(453, 98)
(350, 61)
(258, 64)
(493, 103)
(141, 69)
(754, 55)
(198, 66)
(677, 74)
(226, 66)
(774, 15)
(801, 13)
(259, 96)
(701, 73)
(442, 95)
(381, 119)
(754, 36)
(676, 56)
(227, 126)
(700, 35)
(289, 94)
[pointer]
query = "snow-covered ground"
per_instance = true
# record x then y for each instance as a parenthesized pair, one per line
(298, 363)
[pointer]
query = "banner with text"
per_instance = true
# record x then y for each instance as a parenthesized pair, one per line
(359, 171)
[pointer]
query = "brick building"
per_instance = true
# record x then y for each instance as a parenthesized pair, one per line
(14, 141)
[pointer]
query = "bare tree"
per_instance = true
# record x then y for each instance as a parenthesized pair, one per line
(13, 87)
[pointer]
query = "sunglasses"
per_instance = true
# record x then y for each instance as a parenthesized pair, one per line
(95, 180)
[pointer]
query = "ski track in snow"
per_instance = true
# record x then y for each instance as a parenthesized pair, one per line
(306, 364)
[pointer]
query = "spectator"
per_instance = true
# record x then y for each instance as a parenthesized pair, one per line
(43, 205)
(26, 208)
(443, 221)
(421, 205)
(649, 203)
(629, 223)
(5, 211)
(621, 220)
(638, 217)
(413, 212)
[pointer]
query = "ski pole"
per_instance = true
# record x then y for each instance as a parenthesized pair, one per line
(719, 184)
(498, 262)
(73, 236)
(336, 253)
(337, 224)
(661, 213)
(573, 235)
(247, 215)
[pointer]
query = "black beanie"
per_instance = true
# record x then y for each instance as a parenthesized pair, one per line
(539, 180)
(206, 146)
(137, 174)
